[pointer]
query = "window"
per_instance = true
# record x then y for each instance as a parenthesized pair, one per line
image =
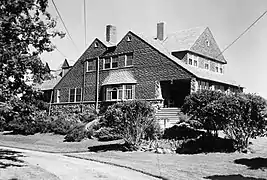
(216, 69)
(75, 95)
(96, 44)
(115, 62)
(128, 59)
(207, 43)
(190, 61)
(58, 95)
(195, 63)
(72, 95)
(207, 66)
(203, 85)
(221, 70)
(107, 63)
(90, 66)
(128, 92)
(129, 38)
(120, 92)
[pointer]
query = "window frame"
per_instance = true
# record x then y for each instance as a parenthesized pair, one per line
(117, 61)
(58, 96)
(121, 92)
(104, 63)
(194, 60)
(208, 65)
(75, 95)
(87, 65)
(126, 60)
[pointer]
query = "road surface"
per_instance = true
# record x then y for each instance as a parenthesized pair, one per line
(68, 168)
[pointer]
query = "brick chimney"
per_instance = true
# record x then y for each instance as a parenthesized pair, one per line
(160, 31)
(111, 34)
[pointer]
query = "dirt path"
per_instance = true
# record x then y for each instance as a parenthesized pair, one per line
(67, 168)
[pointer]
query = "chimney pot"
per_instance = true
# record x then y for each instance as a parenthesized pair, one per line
(111, 34)
(160, 31)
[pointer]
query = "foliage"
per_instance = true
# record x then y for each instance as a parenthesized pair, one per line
(247, 117)
(77, 133)
(206, 143)
(181, 131)
(131, 120)
(106, 134)
(241, 116)
(87, 117)
(198, 106)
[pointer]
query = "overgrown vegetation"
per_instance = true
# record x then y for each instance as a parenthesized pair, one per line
(133, 121)
(241, 116)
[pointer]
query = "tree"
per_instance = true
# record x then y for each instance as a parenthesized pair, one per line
(26, 29)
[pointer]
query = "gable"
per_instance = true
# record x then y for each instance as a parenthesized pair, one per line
(207, 46)
(74, 76)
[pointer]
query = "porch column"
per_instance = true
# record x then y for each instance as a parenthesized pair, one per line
(193, 85)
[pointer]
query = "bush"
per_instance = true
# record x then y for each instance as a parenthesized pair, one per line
(106, 134)
(206, 143)
(181, 131)
(77, 133)
(131, 120)
(61, 126)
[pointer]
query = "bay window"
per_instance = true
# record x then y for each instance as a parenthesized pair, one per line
(119, 92)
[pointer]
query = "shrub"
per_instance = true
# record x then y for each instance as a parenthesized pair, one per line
(77, 133)
(206, 143)
(181, 131)
(199, 104)
(106, 134)
(87, 117)
(61, 126)
(131, 120)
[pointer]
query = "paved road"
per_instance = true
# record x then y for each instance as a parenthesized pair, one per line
(67, 168)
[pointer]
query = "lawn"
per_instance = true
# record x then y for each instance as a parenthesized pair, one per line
(221, 166)
(48, 142)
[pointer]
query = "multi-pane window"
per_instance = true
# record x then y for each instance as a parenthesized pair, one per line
(107, 63)
(216, 69)
(90, 65)
(128, 59)
(120, 92)
(203, 85)
(192, 60)
(75, 95)
(115, 62)
(221, 70)
(128, 92)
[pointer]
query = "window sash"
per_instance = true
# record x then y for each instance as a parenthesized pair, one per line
(119, 93)
(107, 63)
(90, 66)
(75, 95)
(128, 60)
(115, 62)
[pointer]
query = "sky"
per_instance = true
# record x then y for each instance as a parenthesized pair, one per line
(227, 19)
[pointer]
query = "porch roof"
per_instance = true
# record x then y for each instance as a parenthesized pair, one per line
(119, 77)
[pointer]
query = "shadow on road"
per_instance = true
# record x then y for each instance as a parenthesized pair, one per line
(232, 177)
(253, 163)
(10, 158)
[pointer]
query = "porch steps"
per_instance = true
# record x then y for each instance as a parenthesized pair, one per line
(168, 116)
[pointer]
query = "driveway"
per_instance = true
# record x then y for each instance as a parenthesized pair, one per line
(68, 168)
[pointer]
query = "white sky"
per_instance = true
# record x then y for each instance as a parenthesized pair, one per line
(247, 58)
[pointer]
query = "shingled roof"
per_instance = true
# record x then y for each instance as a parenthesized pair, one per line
(119, 77)
(198, 72)
(48, 84)
(182, 40)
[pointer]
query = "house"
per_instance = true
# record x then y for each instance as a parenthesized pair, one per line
(162, 69)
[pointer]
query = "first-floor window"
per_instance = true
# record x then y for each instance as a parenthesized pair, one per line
(119, 92)
(75, 95)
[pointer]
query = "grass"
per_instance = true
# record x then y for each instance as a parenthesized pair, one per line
(212, 166)
(48, 142)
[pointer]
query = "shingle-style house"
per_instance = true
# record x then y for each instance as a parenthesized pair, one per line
(162, 70)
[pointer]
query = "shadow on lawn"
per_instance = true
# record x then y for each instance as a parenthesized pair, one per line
(232, 177)
(254, 163)
(109, 147)
(10, 158)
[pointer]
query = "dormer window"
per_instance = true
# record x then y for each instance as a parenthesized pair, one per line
(96, 44)
(207, 43)
(195, 63)
(129, 38)
(221, 70)
(192, 60)
(207, 66)
(216, 69)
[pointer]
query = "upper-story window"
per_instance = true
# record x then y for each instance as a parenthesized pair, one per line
(96, 45)
(75, 95)
(128, 59)
(207, 66)
(111, 62)
(216, 69)
(193, 60)
(129, 38)
(89, 65)
(107, 63)
(207, 42)
(221, 70)
(115, 62)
